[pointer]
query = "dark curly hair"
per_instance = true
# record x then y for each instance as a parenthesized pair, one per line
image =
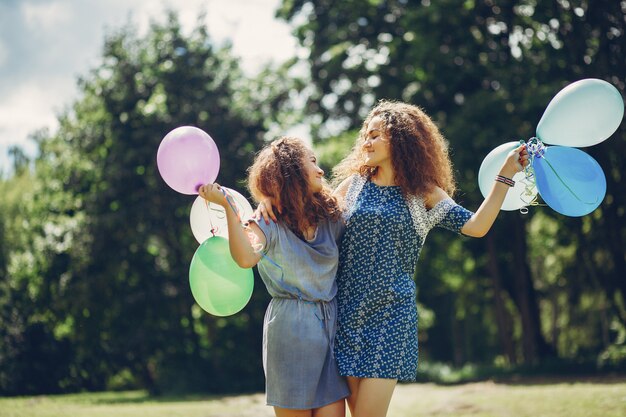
(419, 152)
(277, 173)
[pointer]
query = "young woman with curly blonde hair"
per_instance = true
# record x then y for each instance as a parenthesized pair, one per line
(297, 260)
(395, 186)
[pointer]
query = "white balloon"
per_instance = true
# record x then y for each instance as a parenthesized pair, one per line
(208, 219)
(517, 196)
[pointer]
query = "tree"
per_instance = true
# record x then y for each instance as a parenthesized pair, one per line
(485, 70)
(108, 289)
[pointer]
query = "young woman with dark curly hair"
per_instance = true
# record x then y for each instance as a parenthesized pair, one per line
(395, 186)
(297, 260)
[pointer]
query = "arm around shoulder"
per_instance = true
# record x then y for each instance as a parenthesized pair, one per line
(342, 189)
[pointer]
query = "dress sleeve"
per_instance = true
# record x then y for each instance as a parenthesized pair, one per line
(269, 230)
(337, 228)
(356, 185)
(449, 215)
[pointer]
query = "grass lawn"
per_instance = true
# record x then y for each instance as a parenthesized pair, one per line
(602, 397)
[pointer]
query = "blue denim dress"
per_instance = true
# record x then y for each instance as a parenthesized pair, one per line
(300, 321)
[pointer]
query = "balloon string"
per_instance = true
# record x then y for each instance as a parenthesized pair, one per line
(536, 149)
(231, 202)
(529, 196)
(219, 213)
(209, 209)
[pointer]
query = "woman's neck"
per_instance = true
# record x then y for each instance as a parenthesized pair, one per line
(384, 176)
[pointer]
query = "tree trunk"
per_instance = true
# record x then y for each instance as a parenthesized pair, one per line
(534, 345)
(457, 336)
(503, 319)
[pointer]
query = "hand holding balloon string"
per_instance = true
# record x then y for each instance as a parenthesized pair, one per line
(516, 161)
(217, 194)
(535, 149)
(214, 193)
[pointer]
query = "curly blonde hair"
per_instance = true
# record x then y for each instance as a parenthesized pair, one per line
(277, 173)
(419, 152)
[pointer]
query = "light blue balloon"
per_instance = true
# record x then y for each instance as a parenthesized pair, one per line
(569, 180)
(584, 113)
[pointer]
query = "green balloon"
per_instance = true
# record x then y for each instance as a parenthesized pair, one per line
(218, 284)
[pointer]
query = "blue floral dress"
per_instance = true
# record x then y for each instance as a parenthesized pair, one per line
(377, 311)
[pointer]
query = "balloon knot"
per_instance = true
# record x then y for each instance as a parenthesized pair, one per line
(535, 147)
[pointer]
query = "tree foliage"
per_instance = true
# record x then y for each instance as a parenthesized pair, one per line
(95, 292)
(485, 70)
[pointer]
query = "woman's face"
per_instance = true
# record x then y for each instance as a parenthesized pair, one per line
(314, 173)
(376, 145)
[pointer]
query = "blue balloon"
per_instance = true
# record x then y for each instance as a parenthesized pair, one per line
(583, 113)
(569, 180)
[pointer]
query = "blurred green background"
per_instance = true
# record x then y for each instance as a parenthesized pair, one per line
(95, 248)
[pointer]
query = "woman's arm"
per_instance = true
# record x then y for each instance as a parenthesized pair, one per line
(239, 243)
(483, 219)
(342, 189)
(265, 209)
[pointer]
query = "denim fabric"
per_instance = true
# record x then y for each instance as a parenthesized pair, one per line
(300, 321)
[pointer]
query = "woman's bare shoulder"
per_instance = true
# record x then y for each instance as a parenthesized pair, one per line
(434, 196)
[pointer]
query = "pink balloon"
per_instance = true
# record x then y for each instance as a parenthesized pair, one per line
(187, 158)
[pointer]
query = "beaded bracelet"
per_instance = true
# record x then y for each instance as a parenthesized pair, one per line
(505, 180)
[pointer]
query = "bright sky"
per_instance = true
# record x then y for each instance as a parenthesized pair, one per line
(46, 44)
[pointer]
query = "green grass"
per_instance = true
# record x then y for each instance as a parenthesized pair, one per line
(547, 397)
